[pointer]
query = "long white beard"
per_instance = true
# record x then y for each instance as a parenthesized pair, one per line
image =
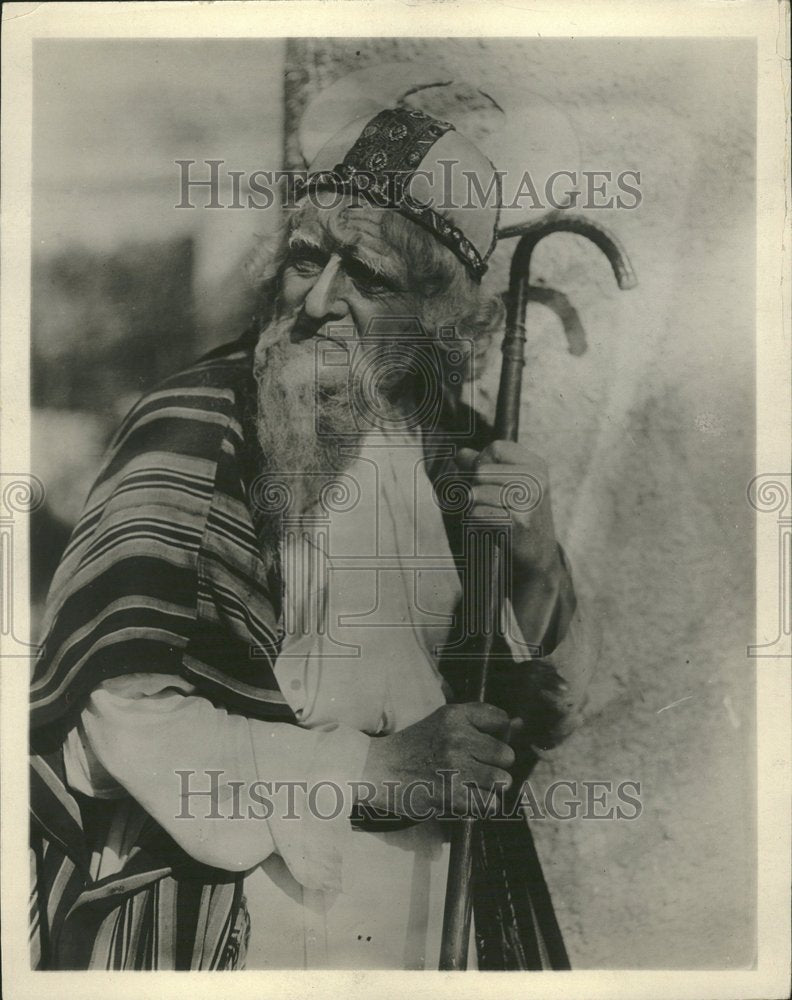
(305, 426)
(312, 416)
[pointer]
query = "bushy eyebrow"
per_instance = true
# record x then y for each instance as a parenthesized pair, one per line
(387, 269)
(373, 263)
(300, 239)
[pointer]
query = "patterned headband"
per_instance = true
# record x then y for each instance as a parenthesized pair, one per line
(380, 165)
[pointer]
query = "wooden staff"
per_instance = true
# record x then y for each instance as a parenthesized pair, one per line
(458, 903)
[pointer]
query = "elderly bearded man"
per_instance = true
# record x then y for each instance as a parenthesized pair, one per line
(203, 643)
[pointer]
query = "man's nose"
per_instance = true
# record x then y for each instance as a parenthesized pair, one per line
(325, 300)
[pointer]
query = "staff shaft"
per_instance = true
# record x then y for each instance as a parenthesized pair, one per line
(458, 903)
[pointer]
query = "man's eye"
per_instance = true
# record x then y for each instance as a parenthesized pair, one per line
(366, 281)
(371, 286)
(305, 265)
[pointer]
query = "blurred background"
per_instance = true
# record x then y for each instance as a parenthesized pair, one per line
(648, 431)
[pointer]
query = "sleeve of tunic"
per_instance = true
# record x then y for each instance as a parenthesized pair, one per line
(230, 790)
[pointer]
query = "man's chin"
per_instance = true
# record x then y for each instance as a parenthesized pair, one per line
(306, 367)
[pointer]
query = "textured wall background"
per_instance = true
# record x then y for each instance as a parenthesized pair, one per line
(649, 435)
(126, 288)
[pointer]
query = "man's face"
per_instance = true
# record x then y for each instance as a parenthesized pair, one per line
(339, 276)
(341, 272)
(350, 273)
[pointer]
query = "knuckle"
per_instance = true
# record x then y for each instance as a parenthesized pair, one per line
(449, 714)
(496, 714)
(489, 777)
(498, 779)
(454, 741)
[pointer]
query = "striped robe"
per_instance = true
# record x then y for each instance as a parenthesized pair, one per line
(164, 573)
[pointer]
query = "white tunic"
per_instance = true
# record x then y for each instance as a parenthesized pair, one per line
(368, 598)
(392, 587)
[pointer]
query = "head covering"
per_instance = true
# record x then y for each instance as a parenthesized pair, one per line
(405, 159)
(529, 136)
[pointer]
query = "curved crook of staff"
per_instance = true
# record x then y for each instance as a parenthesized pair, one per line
(458, 902)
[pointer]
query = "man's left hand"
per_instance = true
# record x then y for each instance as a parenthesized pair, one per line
(505, 467)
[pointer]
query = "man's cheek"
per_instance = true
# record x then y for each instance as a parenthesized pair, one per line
(293, 292)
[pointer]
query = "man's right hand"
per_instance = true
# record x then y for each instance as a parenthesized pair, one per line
(470, 742)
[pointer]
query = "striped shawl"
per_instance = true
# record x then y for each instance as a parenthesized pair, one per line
(164, 573)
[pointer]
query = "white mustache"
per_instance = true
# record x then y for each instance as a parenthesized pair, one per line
(276, 331)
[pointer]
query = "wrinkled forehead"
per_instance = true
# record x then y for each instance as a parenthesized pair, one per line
(350, 226)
